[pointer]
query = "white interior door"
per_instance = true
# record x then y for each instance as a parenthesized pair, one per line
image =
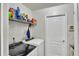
(56, 36)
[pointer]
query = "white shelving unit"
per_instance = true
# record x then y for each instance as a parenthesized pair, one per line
(20, 21)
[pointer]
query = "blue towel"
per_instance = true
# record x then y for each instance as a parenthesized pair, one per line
(28, 33)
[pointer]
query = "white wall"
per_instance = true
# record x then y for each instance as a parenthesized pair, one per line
(39, 30)
(76, 27)
(5, 30)
(13, 29)
(0, 28)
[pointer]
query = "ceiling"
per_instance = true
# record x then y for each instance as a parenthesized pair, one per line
(37, 6)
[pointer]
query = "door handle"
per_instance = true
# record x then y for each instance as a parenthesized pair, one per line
(63, 41)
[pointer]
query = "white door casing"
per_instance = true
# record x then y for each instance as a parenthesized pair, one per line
(56, 35)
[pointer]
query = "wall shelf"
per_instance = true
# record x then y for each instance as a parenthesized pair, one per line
(21, 21)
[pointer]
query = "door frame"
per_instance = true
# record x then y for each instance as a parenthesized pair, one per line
(76, 34)
(65, 32)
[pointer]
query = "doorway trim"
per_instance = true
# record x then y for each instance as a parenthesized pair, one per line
(65, 32)
(76, 39)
